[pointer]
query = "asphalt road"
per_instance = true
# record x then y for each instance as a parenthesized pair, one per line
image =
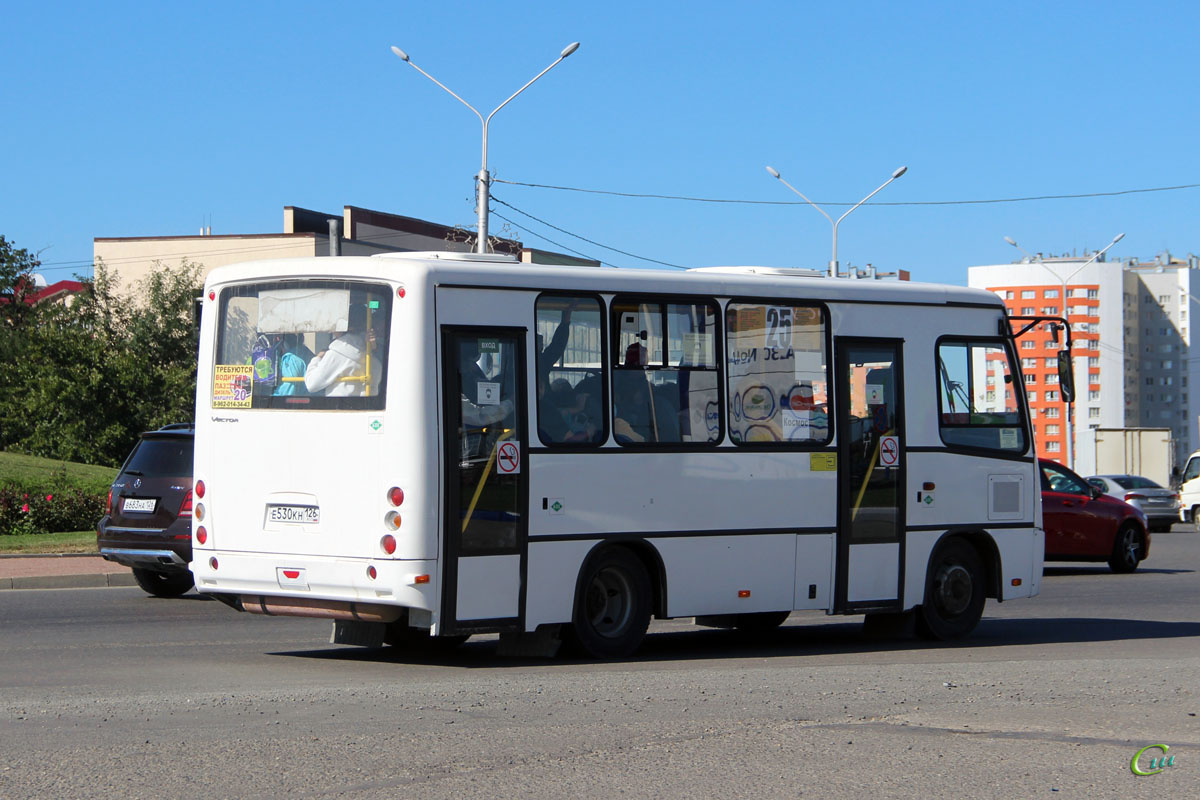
(111, 693)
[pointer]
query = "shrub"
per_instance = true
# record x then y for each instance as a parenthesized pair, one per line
(49, 507)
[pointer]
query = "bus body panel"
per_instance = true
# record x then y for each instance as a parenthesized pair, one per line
(645, 492)
(722, 519)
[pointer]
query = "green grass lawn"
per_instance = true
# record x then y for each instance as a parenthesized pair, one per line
(69, 542)
(17, 466)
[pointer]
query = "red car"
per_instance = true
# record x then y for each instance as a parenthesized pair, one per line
(1084, 524)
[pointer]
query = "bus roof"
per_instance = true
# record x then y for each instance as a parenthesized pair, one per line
(481, 270)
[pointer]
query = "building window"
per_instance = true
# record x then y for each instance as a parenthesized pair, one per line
(1049, 310)
(1093, 294)
(1052, 362)
(1052, 446)
(1030, 363)
(1093, 412)
(1093, 394)
(1051, 377)
(1093, 362)
(1030, 378)
(1051, 413)
(1052, 430)
(1008, 295)
(1168, 364)
(1028, 311)
(1028, 294)
(1050, 293)
(1028, 344)
(1052, 396)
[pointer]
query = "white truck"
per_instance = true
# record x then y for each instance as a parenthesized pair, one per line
(1136, 451)
(1189, 490)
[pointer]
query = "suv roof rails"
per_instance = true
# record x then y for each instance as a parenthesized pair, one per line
(178, 426)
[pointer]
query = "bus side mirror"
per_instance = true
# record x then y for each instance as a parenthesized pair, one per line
(1066, 376)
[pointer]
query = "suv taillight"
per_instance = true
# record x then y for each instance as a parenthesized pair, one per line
(185, 508)
(109, 505)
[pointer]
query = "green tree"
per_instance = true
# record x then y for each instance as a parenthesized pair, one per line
(16, 283)
(100, 369)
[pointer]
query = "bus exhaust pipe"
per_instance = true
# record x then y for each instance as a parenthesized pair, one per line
(319, 609)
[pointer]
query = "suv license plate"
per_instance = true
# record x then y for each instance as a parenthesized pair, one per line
(140, 504)
(305, 515)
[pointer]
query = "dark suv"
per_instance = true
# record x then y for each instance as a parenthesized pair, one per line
(148, 526)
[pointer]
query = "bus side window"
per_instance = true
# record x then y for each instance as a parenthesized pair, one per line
(570, 369)
(665, 386)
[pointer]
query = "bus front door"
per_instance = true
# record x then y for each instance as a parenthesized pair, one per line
(870, 475)
(485, 526)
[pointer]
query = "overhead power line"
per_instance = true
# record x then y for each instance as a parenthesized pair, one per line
(828, 203)
(584, 238)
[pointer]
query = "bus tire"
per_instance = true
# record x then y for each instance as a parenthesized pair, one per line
(760, 622)
(612, 605)
(418, 640)
(954, 592)
(163, 584)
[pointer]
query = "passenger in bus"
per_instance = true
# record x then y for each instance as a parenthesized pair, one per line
(344, 358)
(631, 414)
(562, 413)
(293, 363)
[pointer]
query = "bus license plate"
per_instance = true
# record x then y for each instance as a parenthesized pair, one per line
(141, 504)
(305, 515)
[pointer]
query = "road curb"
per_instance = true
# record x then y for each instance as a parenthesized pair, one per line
(93, 581)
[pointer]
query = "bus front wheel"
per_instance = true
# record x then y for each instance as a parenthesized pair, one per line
(612, 605)
(954, 592)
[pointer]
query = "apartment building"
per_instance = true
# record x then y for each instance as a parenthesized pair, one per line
(1131, 336)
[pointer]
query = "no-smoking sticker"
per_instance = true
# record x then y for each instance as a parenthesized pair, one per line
(889, 451)
(508, 459)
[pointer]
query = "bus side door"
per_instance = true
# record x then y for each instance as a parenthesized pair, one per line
(485, 524)
(870, 433)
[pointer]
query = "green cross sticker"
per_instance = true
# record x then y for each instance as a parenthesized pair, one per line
(557, 506)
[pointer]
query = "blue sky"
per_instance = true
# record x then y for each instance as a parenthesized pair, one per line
(144, 119)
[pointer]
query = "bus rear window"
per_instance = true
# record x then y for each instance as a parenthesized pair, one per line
(310, 345)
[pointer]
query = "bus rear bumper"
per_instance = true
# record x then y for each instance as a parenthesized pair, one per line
(362, 589)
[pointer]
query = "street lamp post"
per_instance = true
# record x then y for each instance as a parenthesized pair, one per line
(483, 178)
(833, 264)
(1063, 296)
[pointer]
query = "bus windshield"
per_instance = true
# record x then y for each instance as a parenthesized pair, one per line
(323, 346)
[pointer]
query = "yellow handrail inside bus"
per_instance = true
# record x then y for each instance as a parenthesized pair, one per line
(487, 471)
(862, 490)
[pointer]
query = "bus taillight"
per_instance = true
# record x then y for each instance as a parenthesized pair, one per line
(395, 495)
(388, 543)
(201, 535)
(212, 563)
(200, 489)
(392, 520)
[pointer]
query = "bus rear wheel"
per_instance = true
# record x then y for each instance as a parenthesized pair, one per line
(612, 605)
(954, 592)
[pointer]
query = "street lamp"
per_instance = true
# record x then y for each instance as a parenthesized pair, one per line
(833, 264)
(484, 180)
(1063, 295)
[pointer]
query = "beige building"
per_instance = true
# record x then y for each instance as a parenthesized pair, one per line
(357, 232)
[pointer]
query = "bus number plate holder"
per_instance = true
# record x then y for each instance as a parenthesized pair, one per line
(302, 515)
